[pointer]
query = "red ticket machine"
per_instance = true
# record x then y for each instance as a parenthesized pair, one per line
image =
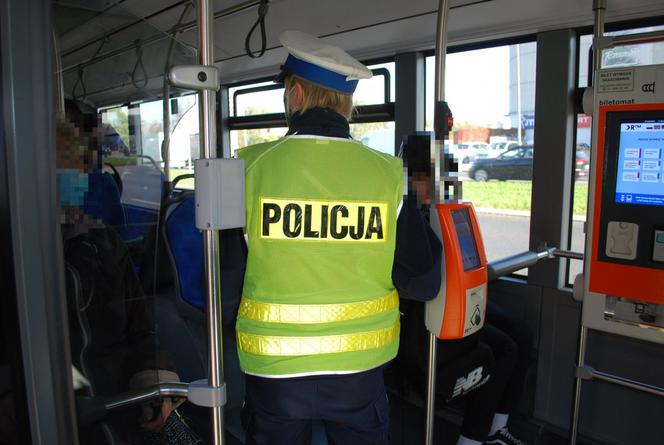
(627, 259)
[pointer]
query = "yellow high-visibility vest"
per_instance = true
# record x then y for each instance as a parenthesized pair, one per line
(318, 295)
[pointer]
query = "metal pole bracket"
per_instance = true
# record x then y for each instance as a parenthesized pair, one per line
(202, 394)
(584, 372)
(195, 77)
(604, 42)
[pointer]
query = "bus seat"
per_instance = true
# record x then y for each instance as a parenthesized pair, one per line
(182, 323)
(464, 365)
(185, 244)
(142, 193)
(103, 199)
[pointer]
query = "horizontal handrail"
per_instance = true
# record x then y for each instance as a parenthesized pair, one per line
(558, 253)
(590, 373)
(135, 397)
(633, 39)
(506, 266)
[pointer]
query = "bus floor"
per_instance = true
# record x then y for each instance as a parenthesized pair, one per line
(407, 427)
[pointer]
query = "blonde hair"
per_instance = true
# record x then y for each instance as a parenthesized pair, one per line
(316, 96)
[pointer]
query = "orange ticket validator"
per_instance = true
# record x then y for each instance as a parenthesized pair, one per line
(459, 309)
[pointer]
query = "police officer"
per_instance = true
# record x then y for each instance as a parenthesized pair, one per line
(330, 242)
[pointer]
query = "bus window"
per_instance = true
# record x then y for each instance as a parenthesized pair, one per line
(242, 138)
(255, 99)
(266, 99)
(184, 144)
(115, 131)
(377, 135)
(152, 129)
(379, 89)
(491, 93)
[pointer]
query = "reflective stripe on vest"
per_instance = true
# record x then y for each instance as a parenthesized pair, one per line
(329, 344)
(316, 313)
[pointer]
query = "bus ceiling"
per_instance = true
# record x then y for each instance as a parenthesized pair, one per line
(116, 51)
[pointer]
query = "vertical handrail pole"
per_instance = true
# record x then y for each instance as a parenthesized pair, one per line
(599, 10)
(439, 195)
(208, 143)
(431, 388)
(577, 386)
(59, 84)
(166, 115)
(439, 88)
(441, 48)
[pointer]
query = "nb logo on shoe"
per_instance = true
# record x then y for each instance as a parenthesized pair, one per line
(336, 221)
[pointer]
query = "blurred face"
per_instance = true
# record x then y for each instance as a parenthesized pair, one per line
(73, 162)
(72, 150)
(420, 183)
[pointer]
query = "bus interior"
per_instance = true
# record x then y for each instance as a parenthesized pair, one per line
(523, 150)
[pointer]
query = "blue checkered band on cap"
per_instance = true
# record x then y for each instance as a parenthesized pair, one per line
(319, 76)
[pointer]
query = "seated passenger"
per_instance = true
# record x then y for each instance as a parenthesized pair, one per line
(510, 340)
(111, 329)
(506, 339)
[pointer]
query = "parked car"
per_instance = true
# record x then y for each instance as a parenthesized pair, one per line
(516, 163)
(582, 163)
(468, 152)
(496, 148)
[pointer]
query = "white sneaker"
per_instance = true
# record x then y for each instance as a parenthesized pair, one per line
(503, 437)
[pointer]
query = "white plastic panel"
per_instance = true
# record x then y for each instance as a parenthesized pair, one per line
(219, 194)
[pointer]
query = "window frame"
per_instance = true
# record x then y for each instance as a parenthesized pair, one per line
(381, 112)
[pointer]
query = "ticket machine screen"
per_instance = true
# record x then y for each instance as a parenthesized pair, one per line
(464, 230)
(640, 162)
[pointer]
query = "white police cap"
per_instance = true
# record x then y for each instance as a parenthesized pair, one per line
(319, 63)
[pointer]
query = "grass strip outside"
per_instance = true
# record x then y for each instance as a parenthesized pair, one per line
(514, 195)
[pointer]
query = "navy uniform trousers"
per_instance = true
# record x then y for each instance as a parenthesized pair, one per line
(353, 407)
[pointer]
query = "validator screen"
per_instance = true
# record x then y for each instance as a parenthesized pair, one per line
(640, 163)
(469, 255)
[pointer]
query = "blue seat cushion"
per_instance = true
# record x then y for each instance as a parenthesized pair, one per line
(102, 199)
(186, 245)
